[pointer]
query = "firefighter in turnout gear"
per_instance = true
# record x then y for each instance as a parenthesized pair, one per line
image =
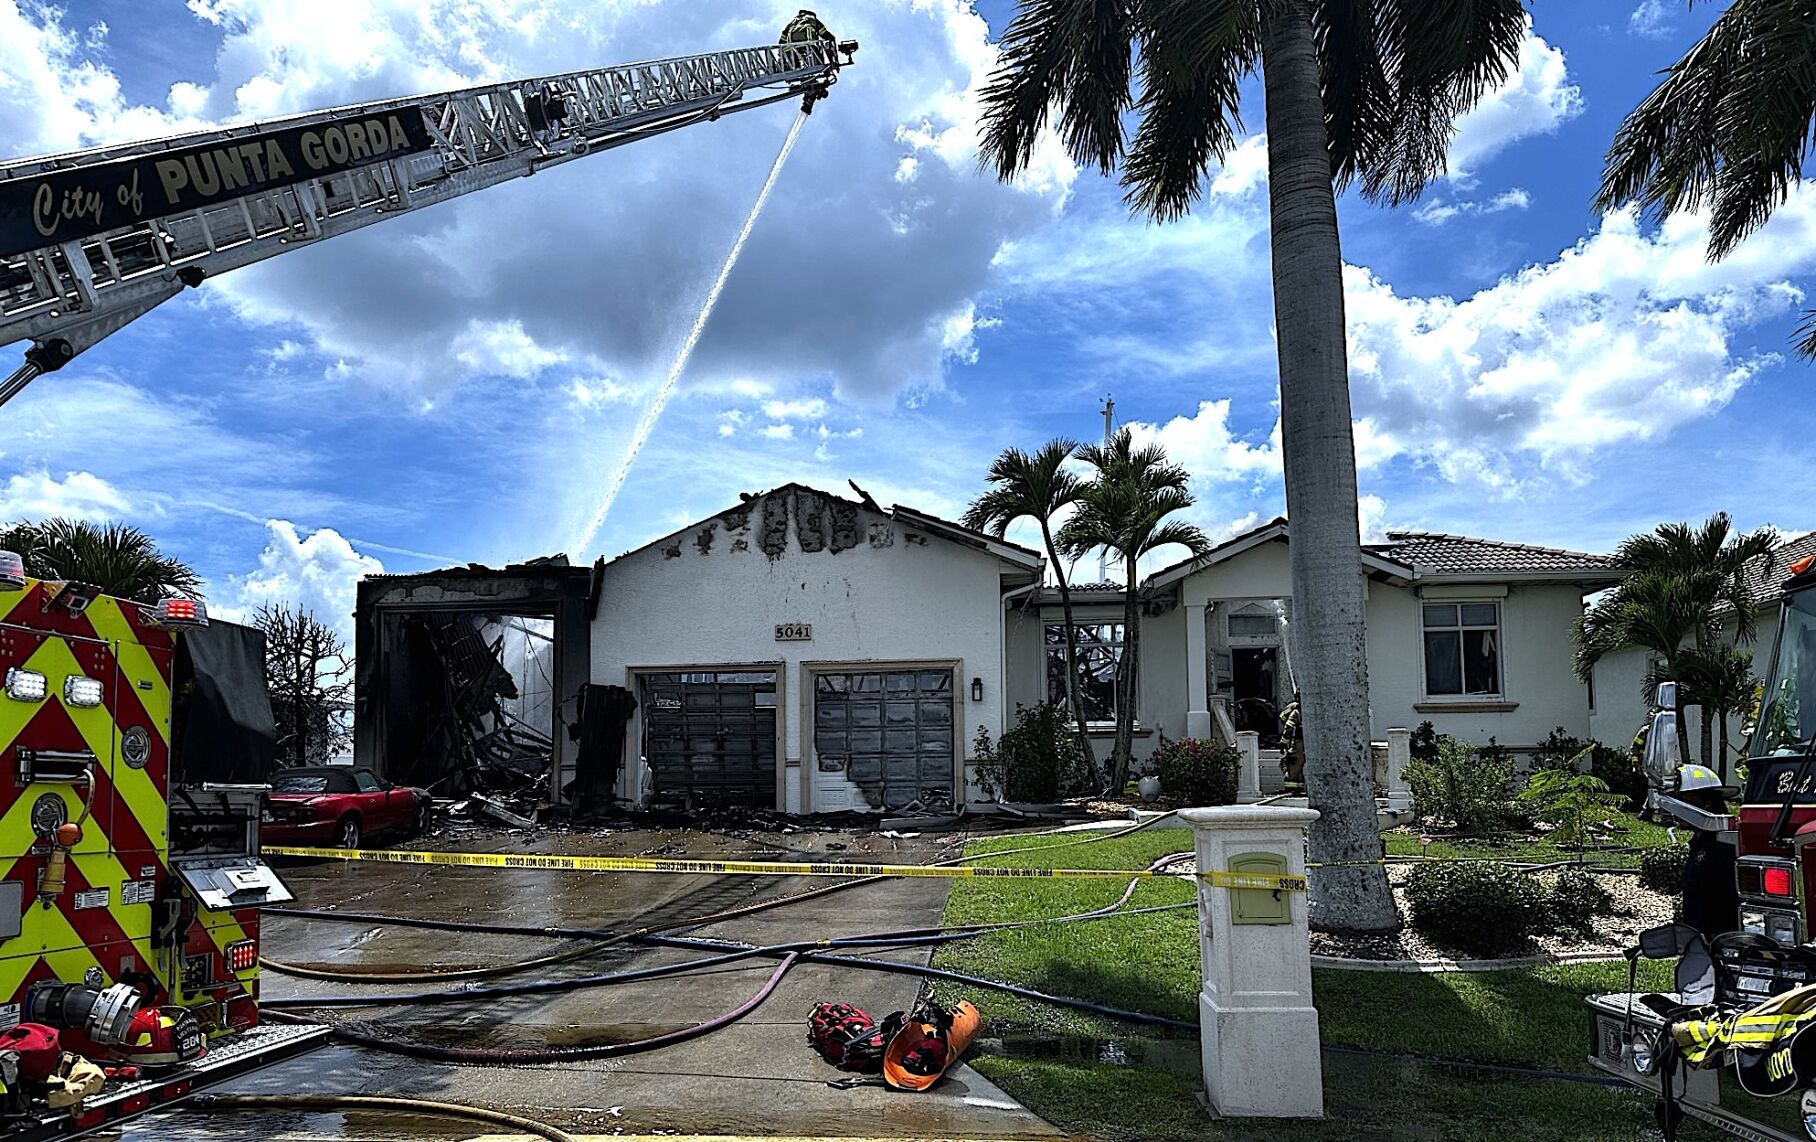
(1711, 899)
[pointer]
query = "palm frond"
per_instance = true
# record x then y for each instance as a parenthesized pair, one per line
(1439, 58)
(122, 561)
(1358, 99)
(1729, 125)
(1195, 55)
(1806, 335)
(1072, 56)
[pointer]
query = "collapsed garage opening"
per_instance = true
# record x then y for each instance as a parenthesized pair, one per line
(472, 678)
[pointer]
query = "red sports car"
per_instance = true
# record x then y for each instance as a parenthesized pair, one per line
(340, 806)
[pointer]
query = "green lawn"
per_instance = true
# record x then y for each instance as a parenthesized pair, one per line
(1149, 963)
(1629, 831)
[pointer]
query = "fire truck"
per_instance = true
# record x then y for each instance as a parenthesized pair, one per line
(134, 752)
(1742, 1000)
(135, 739)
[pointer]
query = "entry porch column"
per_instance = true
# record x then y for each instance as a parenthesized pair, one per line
(1197, 696)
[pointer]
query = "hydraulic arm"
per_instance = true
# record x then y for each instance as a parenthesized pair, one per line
(91, 240)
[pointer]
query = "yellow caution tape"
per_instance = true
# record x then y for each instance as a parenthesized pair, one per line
(1215, 877)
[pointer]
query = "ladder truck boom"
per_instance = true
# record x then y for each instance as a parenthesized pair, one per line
(91, 240)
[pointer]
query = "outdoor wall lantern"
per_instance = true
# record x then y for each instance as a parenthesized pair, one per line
(977, 689)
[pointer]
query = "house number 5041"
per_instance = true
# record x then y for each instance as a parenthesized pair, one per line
(794, 632)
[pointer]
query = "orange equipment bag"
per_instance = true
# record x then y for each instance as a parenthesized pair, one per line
(930, 1041)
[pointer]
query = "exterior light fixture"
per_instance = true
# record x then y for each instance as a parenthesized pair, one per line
(82, 692)
(977, 689)
(24, 685)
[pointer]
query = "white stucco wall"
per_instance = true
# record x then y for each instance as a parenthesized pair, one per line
(711, 596)
(1537, 681)
(1539, 688)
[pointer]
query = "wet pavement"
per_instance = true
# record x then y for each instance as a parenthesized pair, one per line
(758, 1076)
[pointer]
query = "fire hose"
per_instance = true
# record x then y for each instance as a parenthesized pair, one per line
(599, 941)
(791, 954)
(391, 1105)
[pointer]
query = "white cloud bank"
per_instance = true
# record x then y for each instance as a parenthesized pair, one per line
(35, 495)
(319, 572)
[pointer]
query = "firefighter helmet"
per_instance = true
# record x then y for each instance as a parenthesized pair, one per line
(1691, 778)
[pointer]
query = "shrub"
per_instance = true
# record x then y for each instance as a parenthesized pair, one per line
(1662, 869)
(1570, 802)
(1480, 908)
(1462, 785)
(1038, 760)
(1424, 742)
(1559, 749)
(1621, 771)
(1577, 900)
(1198, 771)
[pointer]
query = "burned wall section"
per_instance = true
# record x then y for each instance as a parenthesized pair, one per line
(425, 687)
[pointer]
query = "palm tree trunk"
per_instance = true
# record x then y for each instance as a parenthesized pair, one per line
(1126, 667)
(1318, 450)
(1073, 696)
(1708, 736)
(1722, 758)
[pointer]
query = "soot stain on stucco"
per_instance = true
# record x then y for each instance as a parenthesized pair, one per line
(704, 540)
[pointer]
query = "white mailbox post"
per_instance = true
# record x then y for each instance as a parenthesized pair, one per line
(1257, 1026)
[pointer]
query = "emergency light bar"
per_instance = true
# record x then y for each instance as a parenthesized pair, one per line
(12, 571)
(82, 692)
(24, 685)
(178, 613)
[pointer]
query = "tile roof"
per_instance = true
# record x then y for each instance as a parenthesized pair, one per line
(1765, 578)
(1436, 553)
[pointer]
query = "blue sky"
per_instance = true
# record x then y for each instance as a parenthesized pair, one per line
(458, 385)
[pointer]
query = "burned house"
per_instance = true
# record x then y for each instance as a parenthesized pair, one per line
(806, 652)
(471, 677)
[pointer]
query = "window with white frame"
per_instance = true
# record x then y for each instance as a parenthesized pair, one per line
(1462, 649)
(1099, 647)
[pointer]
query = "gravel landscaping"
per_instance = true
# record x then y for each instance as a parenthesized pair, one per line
(1636, 909)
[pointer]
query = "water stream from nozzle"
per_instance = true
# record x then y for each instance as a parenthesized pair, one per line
(654, 412)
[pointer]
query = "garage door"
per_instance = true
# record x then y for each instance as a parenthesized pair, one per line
(711, 737)
(889, 732)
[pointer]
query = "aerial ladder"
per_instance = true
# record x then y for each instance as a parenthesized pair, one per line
(91, 240)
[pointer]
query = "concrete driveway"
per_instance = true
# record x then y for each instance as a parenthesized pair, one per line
(758, 1076)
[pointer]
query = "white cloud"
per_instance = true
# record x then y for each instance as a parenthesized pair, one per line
(598, 266)
(598, 391)
(318, 572)
(1437, 213)
(1371, 518)
(1205, 446)
(1623, 338)
(1536, 99)
(780, 432)
(1244, 169)
(811, 408)
(38, 495)
(1653, 20)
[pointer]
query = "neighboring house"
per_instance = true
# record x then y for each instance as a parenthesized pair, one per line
(1472, 635)
(808, 653)
(1623, 704)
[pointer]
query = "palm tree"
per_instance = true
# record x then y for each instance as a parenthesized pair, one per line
(122, 561)
(1036, 487)
(1728, 127)
(1685, 582)
(1720, 680)
(1125, 511)
(1353, 93)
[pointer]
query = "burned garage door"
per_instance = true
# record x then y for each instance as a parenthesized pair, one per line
(889, 732)
(710, 738)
